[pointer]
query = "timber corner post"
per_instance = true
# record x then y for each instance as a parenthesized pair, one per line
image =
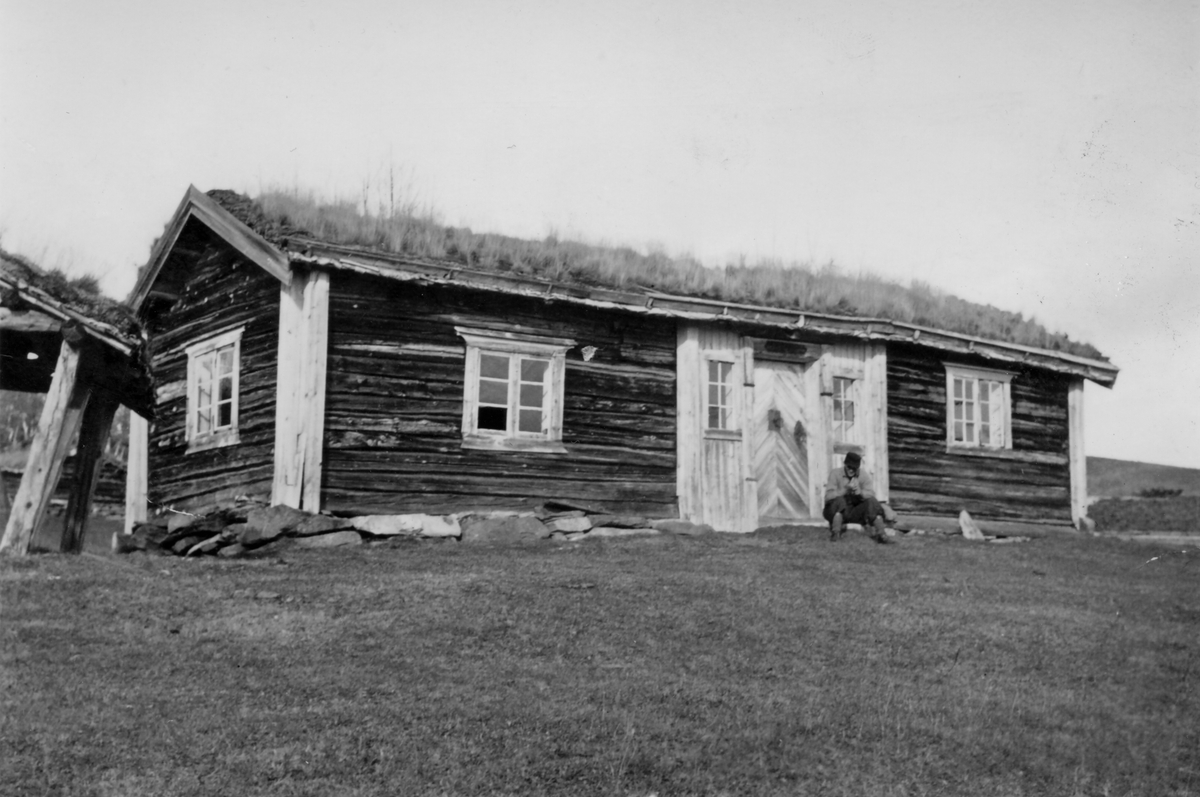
(60, 419)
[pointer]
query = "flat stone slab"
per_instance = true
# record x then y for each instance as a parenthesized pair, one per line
(616, 531)
(335, 539)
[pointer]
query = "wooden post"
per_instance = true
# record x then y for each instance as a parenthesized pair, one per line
(137, 471)
(59, 421)
(300, 391)
(316, 354)
(93, 434)
(1076, 457)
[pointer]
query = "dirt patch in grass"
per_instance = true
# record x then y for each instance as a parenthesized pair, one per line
(773, 663)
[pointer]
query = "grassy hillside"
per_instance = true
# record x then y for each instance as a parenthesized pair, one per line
(1119, 478)
(764, 664)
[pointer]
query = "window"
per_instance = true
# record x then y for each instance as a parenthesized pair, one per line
(844, 393)
(978, 406)
(513, 391)
(720, 395)
(212, 397)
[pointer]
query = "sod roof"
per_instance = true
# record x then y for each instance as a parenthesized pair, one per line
(278, 217)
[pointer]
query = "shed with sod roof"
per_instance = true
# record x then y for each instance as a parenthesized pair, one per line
(329, 374)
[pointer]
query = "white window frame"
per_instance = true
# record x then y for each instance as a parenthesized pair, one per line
(216, 436)
(840, 430)
(973, 377)
(515, 347)
(732, 417)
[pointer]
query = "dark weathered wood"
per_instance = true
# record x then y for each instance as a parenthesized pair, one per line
(93, 434)
(395, 392)
(1030, 482)
(222, 291)
(59, 421)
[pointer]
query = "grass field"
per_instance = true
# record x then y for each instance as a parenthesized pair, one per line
(773, 663)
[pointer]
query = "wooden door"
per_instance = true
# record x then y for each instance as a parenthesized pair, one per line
(779, 442)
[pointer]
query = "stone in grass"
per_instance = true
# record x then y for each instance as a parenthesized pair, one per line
(503, 529)
(568, 524)
(205, 546)
(230, 551)
(676, 526)
(270, 523)
(970, 529)
(389, 525)
(615, 531)
(183, 544)
(335, 539)
(180, 520)
(320, 524)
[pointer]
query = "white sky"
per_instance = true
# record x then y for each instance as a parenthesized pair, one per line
(1042, 157)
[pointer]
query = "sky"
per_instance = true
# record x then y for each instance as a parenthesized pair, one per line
(1043, 157)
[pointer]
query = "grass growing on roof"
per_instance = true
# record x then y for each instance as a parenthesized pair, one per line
(772, 283)
(763, 664)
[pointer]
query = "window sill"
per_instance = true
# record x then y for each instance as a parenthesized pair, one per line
(478, 442)
(722, 434)
(214, 441)
(1040, 457)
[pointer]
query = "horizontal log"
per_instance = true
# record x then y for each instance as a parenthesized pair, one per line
(349, 503)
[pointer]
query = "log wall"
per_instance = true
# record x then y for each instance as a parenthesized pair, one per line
(1030, 482)
(394, 403)
(223, 291)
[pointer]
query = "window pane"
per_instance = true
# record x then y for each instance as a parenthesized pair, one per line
(491, 392)
(969, 389)
(837, 408)
(958, 388)
(225, 389)
(984, 435)
(224, 414)
(983, 391)
(714, 417)
(204, 395)
(225, 361)
(970, 430)
(534, 370)
(713, 371)
(714, 395)
(969, 412)
(530, 421)
(531, 396)
(494, 366)
(958, 431)
(204, 421)
(493, 418)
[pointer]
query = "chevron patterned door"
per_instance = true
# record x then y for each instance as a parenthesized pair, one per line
(779, 429)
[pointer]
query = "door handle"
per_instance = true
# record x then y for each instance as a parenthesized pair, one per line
(799, 434)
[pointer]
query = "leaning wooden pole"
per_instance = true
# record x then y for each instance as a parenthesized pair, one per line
(97, 421)
(47, 451)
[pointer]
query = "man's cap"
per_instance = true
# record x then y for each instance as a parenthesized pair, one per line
(853, 460)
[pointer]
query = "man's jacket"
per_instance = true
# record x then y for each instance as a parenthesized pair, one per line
(839, 484)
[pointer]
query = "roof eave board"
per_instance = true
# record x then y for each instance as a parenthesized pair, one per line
(196, 204)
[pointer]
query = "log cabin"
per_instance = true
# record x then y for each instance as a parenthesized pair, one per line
(86, 353)
(345, 379)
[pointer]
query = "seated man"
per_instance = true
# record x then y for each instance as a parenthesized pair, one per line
(850, 498)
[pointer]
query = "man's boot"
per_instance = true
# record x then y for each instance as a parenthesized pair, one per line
(879, 532)
(835, 528)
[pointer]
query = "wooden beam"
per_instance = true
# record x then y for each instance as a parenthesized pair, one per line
(1076, 455)
(300, 393)
(93, 434)
(59, 421)
(137, 471)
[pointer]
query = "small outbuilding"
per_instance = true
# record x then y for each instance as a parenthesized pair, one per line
(85, 353)
(343, 378)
